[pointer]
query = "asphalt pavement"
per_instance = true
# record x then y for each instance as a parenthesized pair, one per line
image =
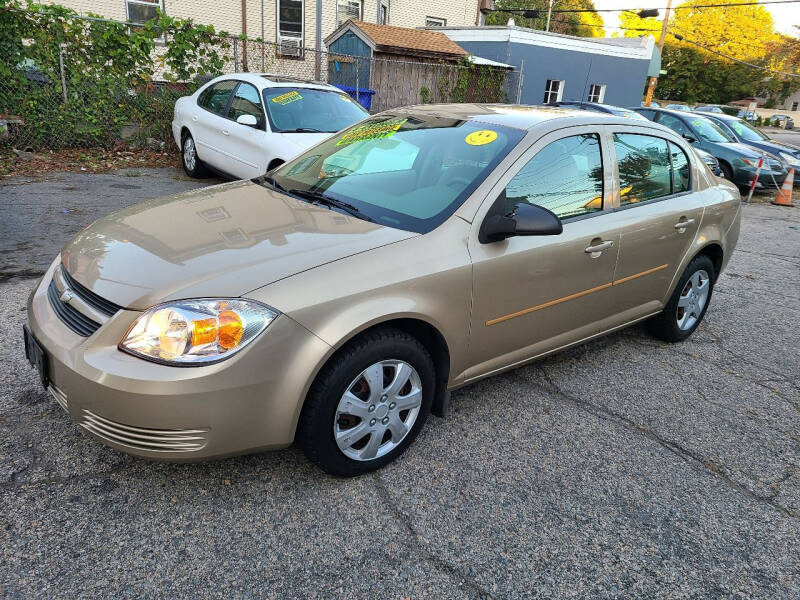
(624, 468)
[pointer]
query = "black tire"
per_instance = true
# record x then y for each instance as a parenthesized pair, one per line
(727, 172)
(315, 430)
(198, 169)
(665, 324)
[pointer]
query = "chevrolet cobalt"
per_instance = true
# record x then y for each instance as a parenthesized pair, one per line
(336, 300)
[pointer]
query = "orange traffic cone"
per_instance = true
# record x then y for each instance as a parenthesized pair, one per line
(784, 197)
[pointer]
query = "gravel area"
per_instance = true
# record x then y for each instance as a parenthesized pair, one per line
(624, 468)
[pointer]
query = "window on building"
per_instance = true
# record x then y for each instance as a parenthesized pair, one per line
(553, 90)
(435, 22)
(644, 167)
(290, 18)
(346, 10)
(794, 106)
(141, 11)
(566, 177)
(597, 92)
(384, 14)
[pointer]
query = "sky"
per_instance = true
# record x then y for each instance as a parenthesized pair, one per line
(784, 15)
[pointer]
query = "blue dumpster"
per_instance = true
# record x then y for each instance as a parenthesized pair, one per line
(363, 96)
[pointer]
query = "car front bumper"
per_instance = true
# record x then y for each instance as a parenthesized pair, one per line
(247, 403)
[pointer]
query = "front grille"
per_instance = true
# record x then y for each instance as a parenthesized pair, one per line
(58, 396)
(140, 438)
(75, 320)
(89, 297)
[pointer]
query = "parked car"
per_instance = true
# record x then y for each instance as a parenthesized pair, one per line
(737, 161)
(243, 125)
(711, 162)
(653, 103)
(745, 133)
(683, 107)
(783, 121)
(747, 115)
(597, 106)
(710, 108)
(336, 300)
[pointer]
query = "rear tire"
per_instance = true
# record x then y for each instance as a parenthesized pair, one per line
(350, 426)
(688, 304)
(192, 165)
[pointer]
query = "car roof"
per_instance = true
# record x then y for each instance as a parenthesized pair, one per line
(268, 80)
(519, 116)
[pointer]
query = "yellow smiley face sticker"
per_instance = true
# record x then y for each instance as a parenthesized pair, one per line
(481, 137)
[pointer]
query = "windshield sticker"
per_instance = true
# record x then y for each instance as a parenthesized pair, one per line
(372, 131)
(481, 137)
(287, 98)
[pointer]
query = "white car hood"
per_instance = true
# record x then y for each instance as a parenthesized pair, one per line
(302, 141)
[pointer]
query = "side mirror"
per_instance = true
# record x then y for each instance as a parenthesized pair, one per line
(689, 138)
(527, 219)
(248, 120)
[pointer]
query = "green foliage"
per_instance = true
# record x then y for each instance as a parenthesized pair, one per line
(468, 82)
(579, 24)
(425, 94)
(108, 72)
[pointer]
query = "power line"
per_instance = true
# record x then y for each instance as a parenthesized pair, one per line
(681, 38)
(635, 10)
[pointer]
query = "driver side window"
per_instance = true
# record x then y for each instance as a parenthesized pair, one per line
(565, 177)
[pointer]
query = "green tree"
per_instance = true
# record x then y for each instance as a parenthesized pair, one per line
(578, 24)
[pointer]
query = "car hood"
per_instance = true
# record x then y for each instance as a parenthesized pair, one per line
(221, 241)
(776, 146)
(743, 149)
(302, 141)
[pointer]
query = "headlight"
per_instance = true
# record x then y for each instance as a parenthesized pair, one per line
(196, 332)
(792, 160)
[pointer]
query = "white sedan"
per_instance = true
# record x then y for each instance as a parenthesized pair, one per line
(244, 124)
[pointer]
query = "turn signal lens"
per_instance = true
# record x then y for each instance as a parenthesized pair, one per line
(194, 332)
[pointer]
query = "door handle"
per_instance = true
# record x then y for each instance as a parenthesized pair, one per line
(194, 117)
(598, 248)
(682, 225)
(225, 132)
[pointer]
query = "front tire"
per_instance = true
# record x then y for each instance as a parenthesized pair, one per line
(688, 304)
(192, 165)
(368, 403)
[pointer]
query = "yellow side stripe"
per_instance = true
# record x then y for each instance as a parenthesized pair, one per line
(573, 296)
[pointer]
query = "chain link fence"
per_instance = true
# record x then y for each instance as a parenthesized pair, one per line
(90, 82)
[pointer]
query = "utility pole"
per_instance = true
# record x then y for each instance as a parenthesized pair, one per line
(651, 85)
(549, 12)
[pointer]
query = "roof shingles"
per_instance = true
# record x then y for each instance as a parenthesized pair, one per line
(388, 37)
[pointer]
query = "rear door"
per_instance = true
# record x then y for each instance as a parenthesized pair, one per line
(658, 217)
(208, 121)
(534, 294)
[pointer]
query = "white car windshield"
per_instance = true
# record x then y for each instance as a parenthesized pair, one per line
(308, 110)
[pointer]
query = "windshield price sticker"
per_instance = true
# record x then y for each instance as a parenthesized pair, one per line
(481, 137)
(372, 131)
(287, 98)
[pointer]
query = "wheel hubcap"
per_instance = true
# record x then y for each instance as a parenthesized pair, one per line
(377, 410)
(189, 155)
(693, 299)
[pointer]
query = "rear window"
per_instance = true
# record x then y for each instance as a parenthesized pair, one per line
(307, 110)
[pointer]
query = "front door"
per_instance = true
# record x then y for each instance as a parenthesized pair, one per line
(534, 294)
(243, 145)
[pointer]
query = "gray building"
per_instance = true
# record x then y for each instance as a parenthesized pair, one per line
(564, 67)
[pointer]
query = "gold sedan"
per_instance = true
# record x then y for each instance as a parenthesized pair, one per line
(337, 300)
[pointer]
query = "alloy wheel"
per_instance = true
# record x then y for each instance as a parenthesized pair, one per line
(189, 153)
(693, 299)
(377, 410)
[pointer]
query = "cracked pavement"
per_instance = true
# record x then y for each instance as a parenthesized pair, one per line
(624, 468)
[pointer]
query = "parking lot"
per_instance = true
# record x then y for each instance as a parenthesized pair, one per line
(624, 468)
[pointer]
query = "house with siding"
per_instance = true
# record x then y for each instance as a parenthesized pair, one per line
(563, 67)
(301, 23)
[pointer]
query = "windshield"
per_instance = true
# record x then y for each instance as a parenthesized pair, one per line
(307, 110)
(405, 171)
(709, 131)
(747, 132)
